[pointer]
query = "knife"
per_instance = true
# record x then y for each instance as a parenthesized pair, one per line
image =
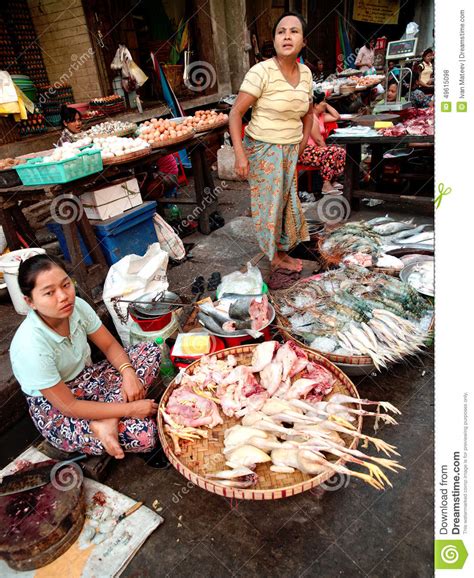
(33, 478)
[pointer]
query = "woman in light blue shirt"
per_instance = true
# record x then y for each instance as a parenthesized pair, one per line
(75, 405)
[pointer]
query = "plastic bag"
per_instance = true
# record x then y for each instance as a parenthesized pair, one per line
(131, 278)
(169, 240)
(411, 31)
(226, 164)
(248, 283)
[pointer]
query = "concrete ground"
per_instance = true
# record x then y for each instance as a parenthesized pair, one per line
(347, 530)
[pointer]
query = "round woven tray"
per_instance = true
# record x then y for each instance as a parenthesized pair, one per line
(348, 359)
(126, 158)
(207, 127)
(204, 456)
(160, 144)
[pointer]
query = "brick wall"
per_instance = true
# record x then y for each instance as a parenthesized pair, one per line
(67, 49)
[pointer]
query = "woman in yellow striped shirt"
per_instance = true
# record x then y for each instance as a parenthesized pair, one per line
(279, 90)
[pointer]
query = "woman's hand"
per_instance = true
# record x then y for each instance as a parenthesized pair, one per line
(241, 165)
(132, 387)
(142, 408)
(301, 149)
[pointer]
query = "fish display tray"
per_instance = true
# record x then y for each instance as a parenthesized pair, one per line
(204, 456)
(160, 144)
(127, 158)
(351, 364)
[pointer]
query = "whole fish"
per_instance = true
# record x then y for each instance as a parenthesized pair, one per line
(426, 237)
(240, 308)
(391, 228)
(210, 324)
(410, 233)
(380, 220)
(219, 317)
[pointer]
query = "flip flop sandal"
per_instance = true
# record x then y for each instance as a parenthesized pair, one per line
(338, 186)
(283, 279)
(198, 285)
(214, 281)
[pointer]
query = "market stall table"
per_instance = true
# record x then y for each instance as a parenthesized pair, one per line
(353, 144)
(18, 231)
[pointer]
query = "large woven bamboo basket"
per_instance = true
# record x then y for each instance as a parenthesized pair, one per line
(127, 158)
(211, 126)
(347, 359)
(203, 457)
(159, 144)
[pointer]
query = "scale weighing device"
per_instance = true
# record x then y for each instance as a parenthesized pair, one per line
(402, 50)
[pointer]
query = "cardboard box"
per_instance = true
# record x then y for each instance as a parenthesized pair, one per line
(112, 200)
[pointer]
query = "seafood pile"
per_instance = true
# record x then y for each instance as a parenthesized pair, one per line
(236, 314)
(365, 243)
(352, 311)
(290, 416)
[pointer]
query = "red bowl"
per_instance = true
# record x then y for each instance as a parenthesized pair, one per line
(153, 324)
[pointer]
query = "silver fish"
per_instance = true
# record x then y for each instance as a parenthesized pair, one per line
(391, 228)
(380, 220)
(410, 233)
(427, 237)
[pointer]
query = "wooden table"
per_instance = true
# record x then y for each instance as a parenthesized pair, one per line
(378, 144)
(76, 223)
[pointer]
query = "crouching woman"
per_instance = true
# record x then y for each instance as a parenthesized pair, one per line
(75, 405)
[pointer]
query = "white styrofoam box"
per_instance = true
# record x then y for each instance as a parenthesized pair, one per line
(111, 201)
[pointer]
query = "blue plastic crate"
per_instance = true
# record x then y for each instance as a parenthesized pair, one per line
(131, 232)
(57, 230)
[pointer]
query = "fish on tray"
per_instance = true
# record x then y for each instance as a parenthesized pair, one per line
(246, 314)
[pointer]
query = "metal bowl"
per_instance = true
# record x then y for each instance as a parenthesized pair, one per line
(411, 268)
(155, 308)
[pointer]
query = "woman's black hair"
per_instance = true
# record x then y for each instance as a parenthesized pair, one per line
(318, 96)
(298, 15)
(68, 114)
(30, 269)
(367, 44)
(426, 52)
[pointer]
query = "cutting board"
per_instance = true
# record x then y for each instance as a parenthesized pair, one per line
(39, 525)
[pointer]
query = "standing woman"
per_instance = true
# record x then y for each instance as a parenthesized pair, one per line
(279, 90)
(75, 405)
(425, 71)
(366, 56)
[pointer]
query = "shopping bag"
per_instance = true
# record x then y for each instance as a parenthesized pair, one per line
(133, 278)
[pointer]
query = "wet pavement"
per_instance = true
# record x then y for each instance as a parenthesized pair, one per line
(349, 529)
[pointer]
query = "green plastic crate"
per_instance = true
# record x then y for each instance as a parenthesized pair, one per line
(35, 172)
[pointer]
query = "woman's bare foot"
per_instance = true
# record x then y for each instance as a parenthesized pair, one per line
(292, 264)
(106, 430)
